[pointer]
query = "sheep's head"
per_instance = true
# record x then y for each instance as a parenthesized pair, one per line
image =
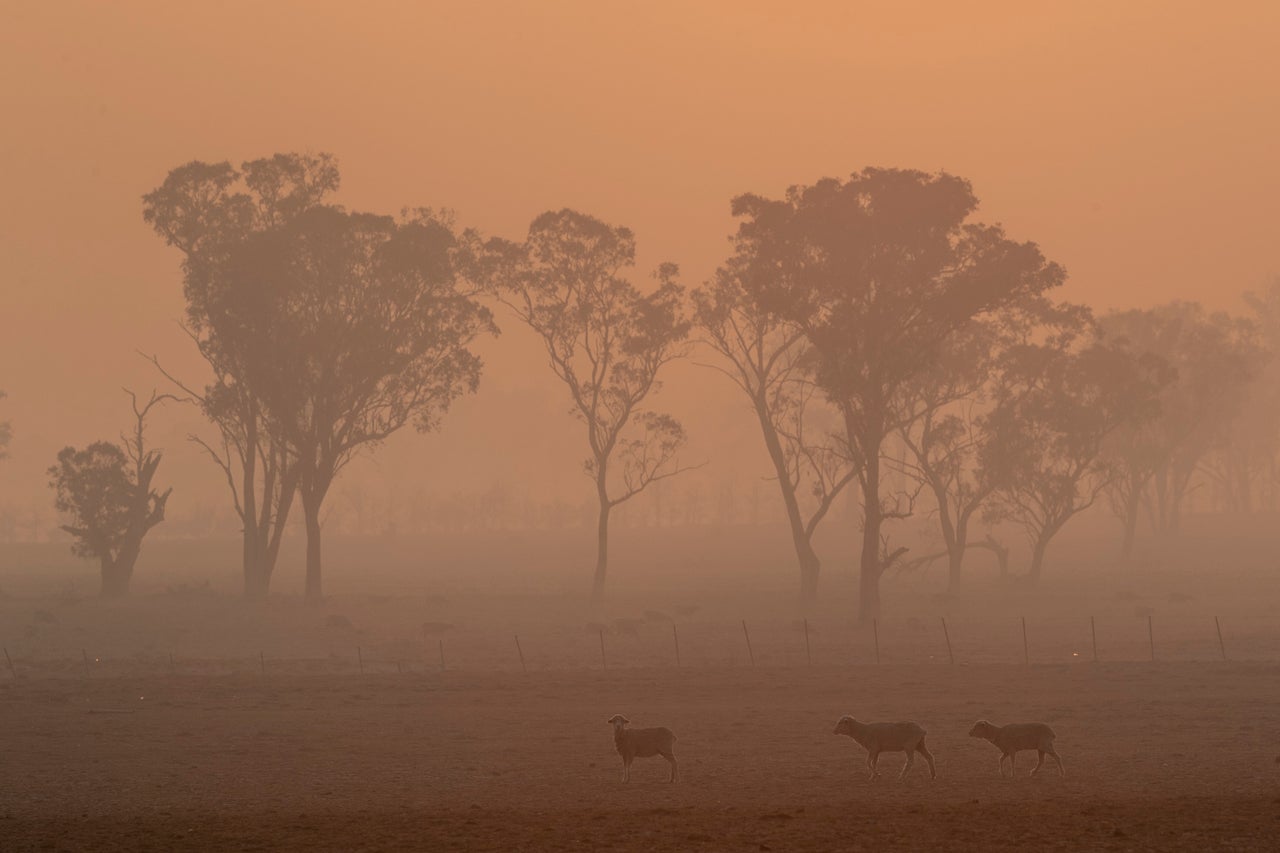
(845, 726)
(981, 729)
(618, 721)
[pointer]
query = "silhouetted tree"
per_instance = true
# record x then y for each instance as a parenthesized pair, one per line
(361, 326)
(1212, 360)
(880, 271)
(606, 342)
(1057, 409)
(207, 210)
(6, 434)
(106, 490)
(1243, 463)
(948, 417)
(764, 355)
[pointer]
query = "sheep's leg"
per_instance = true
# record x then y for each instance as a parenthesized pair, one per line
(1013, 764)
(1002, 758)
(1039, 764)
(626, 770)
(911, 759)
(873, 758)
(928, 756)
(671, 759)
(1054, 753)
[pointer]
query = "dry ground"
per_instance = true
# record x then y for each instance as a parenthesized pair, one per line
(1162, 756)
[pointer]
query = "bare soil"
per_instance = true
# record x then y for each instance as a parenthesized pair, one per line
(1164, 756)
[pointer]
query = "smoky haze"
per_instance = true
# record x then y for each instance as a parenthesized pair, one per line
(1134, 147)
(391, 394)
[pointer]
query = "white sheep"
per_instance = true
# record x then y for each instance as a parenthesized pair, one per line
(642, 743)
(888, 737)
(1014, 737)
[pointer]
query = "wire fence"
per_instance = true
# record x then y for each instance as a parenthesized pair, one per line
(907, 642)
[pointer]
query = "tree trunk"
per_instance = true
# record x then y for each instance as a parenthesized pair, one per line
(115, 578)
(602, 551)
(955, 535)
(870, 568)
(311, 510)
(255, 585)
(955, 562)
(806, 557)
(810, 567)
(1130, 525)
(256, 573)
(1037, 557)
(257, 576)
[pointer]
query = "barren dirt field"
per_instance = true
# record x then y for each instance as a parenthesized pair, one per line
(503, 761)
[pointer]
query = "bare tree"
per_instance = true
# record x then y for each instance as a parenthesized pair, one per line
(606, 342)
(765, 356)
(880, 271)
(106, 490)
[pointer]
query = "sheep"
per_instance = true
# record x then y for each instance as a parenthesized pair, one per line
(642, 743)
(1014, 737)
(888, 737)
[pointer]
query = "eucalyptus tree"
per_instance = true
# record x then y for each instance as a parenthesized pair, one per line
(606, 342)
(880, 271)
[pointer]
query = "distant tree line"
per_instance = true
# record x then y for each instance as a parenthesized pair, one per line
(885, 342)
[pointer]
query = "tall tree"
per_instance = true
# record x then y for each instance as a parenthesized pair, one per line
(362, 325)
(106, 490)
(6, 434)
(606, 341)
(206, 210)
(880, 271)
(1244, 463)
(948, 416)
(765, 356)
(1057, 409)
(1212, 359)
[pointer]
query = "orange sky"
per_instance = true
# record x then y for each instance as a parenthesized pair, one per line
(1135, 141)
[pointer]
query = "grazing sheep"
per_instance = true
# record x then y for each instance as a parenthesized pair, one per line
(1014, 737)
(642, 743)
(888, 737)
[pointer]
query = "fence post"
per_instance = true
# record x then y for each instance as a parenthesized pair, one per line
(520, 652)
(676, 637)
(603, 663)
(84, 654)
(947, 634)
(1151, 637)
(1026, 652)
(262, 658)
(808, 655)
(442, 654)
(1221, 646)
(750, 653)
(360, 659)
(1093, 632)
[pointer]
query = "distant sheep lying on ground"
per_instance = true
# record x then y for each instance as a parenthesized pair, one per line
(888, 737)
(1015, 737)
(642, 743)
